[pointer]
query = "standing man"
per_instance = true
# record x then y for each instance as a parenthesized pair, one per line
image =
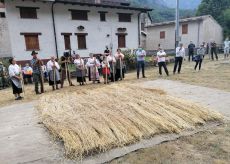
(161, 55)
(140, 55)
(199, 57)
(226, 48)
(37, 72)
(191, 49)
(213, 50)
(180, 54)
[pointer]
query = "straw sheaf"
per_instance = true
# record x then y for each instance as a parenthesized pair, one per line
(93, 121)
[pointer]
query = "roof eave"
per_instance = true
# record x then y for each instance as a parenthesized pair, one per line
(104, 5)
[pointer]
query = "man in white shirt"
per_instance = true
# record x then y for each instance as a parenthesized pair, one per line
(140, 55)
(161, 61)
(180, 54)
(226, 48)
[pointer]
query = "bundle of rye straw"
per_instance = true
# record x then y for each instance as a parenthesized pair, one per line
(96, 120)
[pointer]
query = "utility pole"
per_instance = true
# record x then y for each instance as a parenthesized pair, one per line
(177, 39)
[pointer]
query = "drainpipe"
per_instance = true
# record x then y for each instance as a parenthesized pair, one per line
(139, 31)
(54, 28)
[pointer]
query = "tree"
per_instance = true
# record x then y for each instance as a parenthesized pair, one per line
(219, 9)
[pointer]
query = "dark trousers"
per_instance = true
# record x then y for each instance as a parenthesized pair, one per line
(198, 62)
(38, 80)
(141, 65)
(28, 79)
(118, 74)
(213, 51)
(163, 64)
(190, 54)
(63, 77)
(178, 60)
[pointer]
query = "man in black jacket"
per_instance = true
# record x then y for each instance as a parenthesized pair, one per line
(191, 49)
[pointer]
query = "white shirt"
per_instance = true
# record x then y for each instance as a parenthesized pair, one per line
(92, 61)
(226, 44)
(50, 65)
(103, 65)
(117, 56)
(79, 63)
(111, 58)
(14, 70)
(180, 52)
(161, 56)
(140, 55)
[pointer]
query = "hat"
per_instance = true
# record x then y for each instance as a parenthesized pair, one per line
(33, 53)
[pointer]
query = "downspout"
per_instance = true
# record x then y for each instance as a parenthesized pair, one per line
(198, 33)
(139, 31)
(54, 28)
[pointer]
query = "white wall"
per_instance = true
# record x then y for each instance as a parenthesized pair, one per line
(212, 31)
(5, 49)
(97, 31)
(153, 37)
(197, 32)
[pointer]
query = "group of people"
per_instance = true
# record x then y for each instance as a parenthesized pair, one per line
(111, 67)
(112, 70)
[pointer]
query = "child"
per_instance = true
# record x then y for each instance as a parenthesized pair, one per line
(105, 69)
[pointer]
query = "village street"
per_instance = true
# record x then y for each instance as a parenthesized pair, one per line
(25, 140)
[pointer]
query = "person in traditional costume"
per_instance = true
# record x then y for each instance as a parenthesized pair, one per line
(53, 71)
(80, 69)
(119, 65)
(64, 61)
(16, 79)
(36, 64)
(93, 65)
(105, 69)
(112, 62)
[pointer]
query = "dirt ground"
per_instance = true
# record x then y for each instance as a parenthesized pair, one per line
(214, 74)
(212, 146)
(208, 147)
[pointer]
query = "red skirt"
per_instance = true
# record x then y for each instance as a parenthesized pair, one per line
(106, 70)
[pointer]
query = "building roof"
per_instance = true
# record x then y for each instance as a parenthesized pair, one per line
(119, 4)
(185, 20)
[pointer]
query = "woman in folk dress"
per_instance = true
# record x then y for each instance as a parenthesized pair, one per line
(53, 70)
(80, 70)
(119, 65)
(105, 69)
(93, 65)
(112, 62)
(14, 73)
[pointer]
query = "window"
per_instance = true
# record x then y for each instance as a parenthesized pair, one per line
(142, 26)
(121, 40)
(67, 40)
(31, 41)
(102, 16)
(79, 14)
(2, 15)
(124, 17)
(28, 12)
(162, 35)
(81, 39)
(185, 29)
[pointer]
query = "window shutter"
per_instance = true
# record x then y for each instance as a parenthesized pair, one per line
(121, 41)
(81, 41)
(32, 42)
(185, 29)
(67, 42)
(162, 35)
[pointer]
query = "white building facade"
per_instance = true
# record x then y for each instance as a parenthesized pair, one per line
(81, 27)
(5, 49)
(196, 29)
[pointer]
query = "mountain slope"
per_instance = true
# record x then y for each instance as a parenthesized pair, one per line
(184, 4)
(160, 11)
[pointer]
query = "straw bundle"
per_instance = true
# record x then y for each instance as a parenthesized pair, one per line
(96, 120)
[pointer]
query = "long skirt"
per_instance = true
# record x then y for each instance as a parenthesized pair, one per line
(93, 74)
(57, 79)
(16, 90)
(80, 75)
